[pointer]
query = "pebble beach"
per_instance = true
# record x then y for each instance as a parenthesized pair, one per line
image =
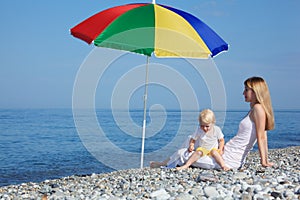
(251, 182)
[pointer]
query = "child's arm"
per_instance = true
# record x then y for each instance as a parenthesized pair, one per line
(191, 145)
(221, 145)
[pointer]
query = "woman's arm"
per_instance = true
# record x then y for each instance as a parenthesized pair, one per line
(259, 118)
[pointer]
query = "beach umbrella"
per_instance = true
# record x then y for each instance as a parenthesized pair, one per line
(150, 29)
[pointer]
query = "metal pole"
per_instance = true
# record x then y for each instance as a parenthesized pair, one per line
(145, 113)
(153, 1)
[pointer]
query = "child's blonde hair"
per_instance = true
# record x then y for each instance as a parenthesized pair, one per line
(207, 116)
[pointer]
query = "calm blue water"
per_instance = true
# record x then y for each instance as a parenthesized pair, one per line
(36, 145)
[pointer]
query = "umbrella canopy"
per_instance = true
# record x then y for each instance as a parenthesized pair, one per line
(163, 30)
(149, 28)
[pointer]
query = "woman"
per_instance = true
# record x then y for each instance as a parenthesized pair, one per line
(261, 114)
(253, 128)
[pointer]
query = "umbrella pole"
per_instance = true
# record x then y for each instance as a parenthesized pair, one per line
(145, 112)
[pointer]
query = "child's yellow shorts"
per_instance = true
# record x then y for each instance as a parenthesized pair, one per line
(206, 152)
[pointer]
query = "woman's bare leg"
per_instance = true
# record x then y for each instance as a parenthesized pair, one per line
(194, 157)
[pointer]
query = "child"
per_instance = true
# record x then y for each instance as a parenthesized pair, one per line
(210, 141)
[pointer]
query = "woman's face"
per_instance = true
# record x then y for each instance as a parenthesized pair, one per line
(249, 95)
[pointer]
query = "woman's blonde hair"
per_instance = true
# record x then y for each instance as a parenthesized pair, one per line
(261, 90)
(207, 116)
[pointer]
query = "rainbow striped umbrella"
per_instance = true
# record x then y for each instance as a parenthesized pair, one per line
(149, 28)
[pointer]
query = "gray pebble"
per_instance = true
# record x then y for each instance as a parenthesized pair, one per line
(211, 192)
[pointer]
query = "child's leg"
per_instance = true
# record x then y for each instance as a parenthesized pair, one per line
(215, 154)
(155, 164)
(194, 157)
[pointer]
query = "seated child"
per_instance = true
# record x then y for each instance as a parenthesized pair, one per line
(210, 140)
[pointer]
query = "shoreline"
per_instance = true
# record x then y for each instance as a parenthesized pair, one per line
(251, 182)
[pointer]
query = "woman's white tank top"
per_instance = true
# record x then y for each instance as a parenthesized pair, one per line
(236, 149)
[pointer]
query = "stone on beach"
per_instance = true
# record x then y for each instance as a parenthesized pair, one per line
(251, 182)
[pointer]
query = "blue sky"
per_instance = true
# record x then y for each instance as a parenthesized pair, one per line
(39, 59)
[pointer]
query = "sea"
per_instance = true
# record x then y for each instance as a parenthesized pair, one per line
(42, 144)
